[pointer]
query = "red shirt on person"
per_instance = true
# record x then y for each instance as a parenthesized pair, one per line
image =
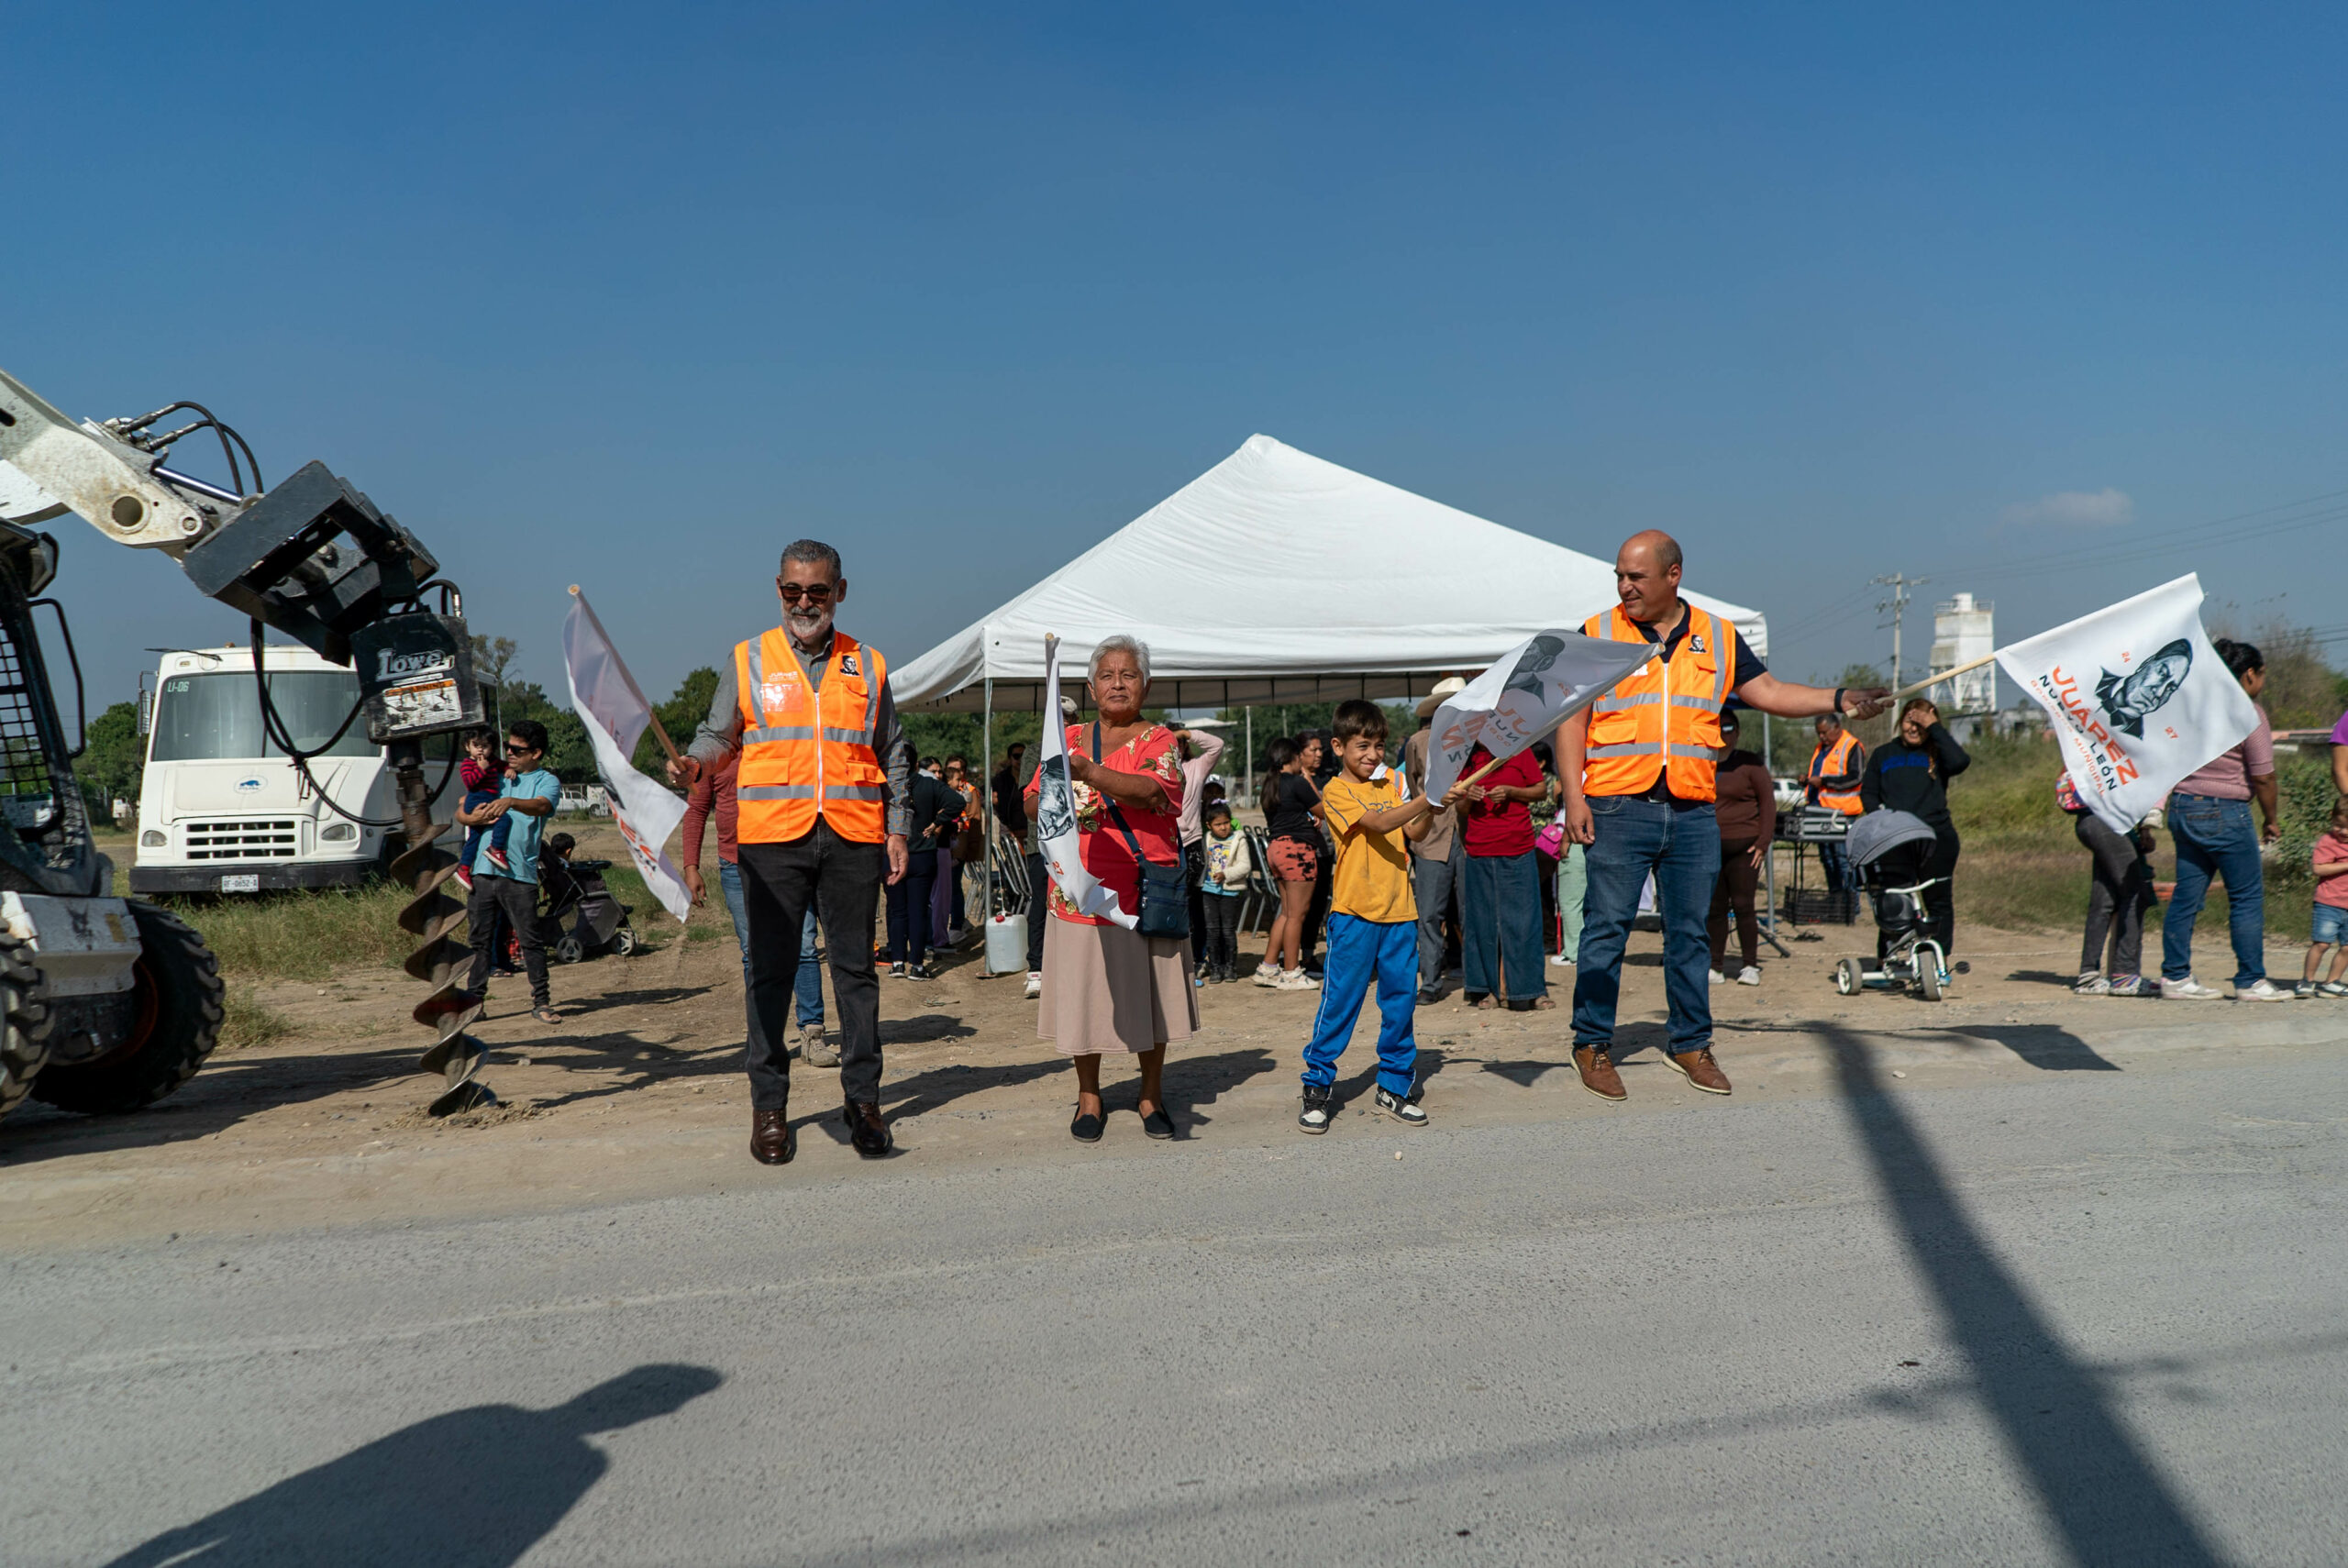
(713, 793)
(1099, 845)
(1502, 827)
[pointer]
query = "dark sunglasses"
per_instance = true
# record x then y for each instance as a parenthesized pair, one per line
(815, 593)
(512, 750)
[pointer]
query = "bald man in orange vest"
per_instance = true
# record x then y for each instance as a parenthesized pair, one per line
(1637, 767)
(821, 815)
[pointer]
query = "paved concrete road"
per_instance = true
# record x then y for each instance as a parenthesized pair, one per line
(2071, 1316)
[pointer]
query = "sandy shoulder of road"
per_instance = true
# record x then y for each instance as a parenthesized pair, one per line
(638, 1093)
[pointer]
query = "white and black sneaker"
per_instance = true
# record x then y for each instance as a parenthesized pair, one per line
(1401, 1107)
(1320, 1110)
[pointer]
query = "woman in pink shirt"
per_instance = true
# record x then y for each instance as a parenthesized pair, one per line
(2209, 815)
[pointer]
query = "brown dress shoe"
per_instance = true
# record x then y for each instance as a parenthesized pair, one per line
(772, 1143)
(1598, 1073)
(866, 1130)
(1698, 1069)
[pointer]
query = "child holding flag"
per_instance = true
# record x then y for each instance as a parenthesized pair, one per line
(1373, 921)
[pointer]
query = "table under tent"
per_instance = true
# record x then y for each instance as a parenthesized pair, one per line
(1273, 577)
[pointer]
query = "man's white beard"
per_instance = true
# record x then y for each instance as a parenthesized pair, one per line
(807, 630)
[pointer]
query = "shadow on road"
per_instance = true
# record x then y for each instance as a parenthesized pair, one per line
(2101, 1492)
(474, 1488)
(2046, 1045)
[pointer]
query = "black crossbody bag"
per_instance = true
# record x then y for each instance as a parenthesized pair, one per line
(1164, 889)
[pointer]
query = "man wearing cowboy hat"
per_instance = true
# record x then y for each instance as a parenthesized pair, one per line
(1434, 866)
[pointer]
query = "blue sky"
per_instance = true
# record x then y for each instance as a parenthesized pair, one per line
(628, 296)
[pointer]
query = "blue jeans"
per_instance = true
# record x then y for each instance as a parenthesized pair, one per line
(808, 985)
(2214, 838)
(1361, 951)
(1680, 841)
(1499, 914)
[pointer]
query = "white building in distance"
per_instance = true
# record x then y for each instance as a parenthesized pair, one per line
(1962, 632)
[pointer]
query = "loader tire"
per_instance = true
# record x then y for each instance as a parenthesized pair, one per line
(24, 1022)
(179, 991)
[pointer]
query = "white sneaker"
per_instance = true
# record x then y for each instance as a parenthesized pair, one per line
(1560, 961)
(2091, 983)
(1296, 980)
(1748, 976)
(1267, 975)
(1034, 985)
(2188, 989)
(1717, 977)
(2264, 990)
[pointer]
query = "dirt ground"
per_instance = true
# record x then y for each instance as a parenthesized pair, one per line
(639, 1093)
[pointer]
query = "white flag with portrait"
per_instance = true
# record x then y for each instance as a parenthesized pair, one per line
(1056, 834)
(1535, 687)
(605, 697)
(2137, 697)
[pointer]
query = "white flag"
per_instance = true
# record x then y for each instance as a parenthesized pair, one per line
(1055, 834)
(605, 697)
(1537, 686)
(2137, 696)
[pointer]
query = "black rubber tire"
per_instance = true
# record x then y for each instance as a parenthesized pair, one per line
(182, 984)
(624, 941)
(24, 1024)
(567, 948)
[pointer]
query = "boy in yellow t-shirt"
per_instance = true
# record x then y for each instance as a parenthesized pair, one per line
(1373, 929)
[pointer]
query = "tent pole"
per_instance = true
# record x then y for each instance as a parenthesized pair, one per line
(986, 805)
(1250, 760)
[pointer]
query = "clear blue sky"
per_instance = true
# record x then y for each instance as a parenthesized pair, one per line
(629, 296)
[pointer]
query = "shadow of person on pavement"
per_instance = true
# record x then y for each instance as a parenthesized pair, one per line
(474, 1488)
(2045, 1045)
(2101, 1491)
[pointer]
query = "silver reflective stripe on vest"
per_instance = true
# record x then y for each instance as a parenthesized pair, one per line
(1629, 748)
(779, 732)
(1611, 703)
(775, 792)
(853, 792)
(754, 700)
(845, 737)
(1710, 704)
(876, 676)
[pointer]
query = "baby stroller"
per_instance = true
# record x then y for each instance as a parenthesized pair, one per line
(1911, 957)
(575, 892)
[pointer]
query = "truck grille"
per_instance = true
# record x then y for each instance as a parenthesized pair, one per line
(241, 841)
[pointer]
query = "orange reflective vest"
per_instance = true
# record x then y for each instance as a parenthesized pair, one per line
(1662, 721)
(1834, 762)
(808, 752)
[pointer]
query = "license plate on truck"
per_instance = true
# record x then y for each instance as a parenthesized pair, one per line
(242, 882)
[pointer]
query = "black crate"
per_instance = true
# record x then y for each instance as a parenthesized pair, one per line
(1821, 906)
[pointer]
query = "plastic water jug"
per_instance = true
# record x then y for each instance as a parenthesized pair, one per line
(1007, 944)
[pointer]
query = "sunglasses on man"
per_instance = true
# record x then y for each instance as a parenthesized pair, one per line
(815, 593)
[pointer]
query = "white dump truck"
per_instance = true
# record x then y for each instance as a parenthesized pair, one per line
(222, 810)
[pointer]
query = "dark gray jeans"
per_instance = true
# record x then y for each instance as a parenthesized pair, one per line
(519, 902)
(1434, 884)
(843, 880)
(2117, 898)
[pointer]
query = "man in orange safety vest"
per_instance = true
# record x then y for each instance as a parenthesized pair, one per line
(1637, 767)
(1832, 780)
(821, 816)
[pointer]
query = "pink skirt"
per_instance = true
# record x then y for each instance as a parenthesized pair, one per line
(1107, 988)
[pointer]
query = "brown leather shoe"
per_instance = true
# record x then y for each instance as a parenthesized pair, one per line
(1698, 1069)
(866, 1130)
(1598, 1073)
(772, 1143)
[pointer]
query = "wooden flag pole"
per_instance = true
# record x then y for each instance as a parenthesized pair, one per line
(1931, 680)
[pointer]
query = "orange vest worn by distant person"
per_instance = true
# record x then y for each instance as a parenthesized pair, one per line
(1836, 761)
(1662, 721)
(808, 752)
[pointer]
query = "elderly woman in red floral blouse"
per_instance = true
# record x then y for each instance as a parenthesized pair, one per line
(1105, 987)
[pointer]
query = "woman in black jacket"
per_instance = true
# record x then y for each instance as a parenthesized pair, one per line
(1910, 773)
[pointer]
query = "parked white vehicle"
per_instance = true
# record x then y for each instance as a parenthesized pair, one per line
(222, 810)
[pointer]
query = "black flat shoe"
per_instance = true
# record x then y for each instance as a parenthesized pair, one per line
(1157, 1124)
(1085, 1129)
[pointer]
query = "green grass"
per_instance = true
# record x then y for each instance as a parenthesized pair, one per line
(302, 937)
(248, 1023)
(2022, 867)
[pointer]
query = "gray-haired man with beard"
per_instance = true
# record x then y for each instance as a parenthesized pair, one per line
(822, 812)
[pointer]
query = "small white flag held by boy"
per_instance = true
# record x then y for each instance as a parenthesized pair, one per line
(1055, 834)
(2137, 696)
(605, 697)
(1535, 687)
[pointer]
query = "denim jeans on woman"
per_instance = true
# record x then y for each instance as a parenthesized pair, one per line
(1680, 841)
(2214, 838)
(808, 988)
(1499, 909)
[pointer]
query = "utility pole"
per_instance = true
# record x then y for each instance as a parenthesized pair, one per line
(1900, 583)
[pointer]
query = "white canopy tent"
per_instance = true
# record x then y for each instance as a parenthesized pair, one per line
(1275, 577)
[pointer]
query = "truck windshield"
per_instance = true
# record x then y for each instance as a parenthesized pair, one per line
(217, 717)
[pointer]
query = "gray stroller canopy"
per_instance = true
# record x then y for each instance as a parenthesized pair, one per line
(1880, 831)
